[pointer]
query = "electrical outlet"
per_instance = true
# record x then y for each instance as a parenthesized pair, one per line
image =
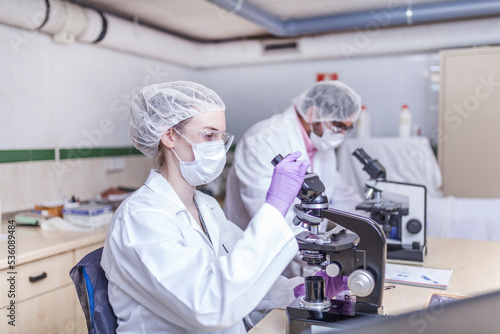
(115, 165)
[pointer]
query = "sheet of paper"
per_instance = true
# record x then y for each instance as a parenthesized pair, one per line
(419, 276)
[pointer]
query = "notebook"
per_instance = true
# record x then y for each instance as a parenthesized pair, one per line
(418, 276)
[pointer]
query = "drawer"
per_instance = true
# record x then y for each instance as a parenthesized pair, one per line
(53, 312)
(37, 277)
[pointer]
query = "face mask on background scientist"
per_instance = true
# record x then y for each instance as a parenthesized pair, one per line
(175, 264)
(327, 111)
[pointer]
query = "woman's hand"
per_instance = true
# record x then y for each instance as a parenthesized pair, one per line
(286, 182)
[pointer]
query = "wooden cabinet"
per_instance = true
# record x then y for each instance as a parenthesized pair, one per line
(45, 296)
(40, 276)
(51, 312)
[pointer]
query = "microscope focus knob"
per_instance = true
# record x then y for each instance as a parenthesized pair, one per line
(414, 226)
(296, 221)
(361, 283)
(332, 270)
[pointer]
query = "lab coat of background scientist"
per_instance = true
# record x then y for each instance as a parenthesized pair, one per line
(322, 106)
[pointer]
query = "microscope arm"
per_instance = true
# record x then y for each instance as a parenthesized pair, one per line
(373, 243)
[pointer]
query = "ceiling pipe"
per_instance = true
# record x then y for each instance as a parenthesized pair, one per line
(351, 45)
(254, 14)
(90, 26)
(396, 14)
(64, 21)
(68, 22)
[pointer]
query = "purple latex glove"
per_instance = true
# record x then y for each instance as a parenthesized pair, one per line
(333, 285)
(287, 180)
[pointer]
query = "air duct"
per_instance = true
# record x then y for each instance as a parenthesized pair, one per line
(73, 22)
(362, 43)
(68, 22)
(125, 36)
(254, 14)
(395, 14)
(63, 20)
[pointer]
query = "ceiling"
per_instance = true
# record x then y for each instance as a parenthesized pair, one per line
(202, 20)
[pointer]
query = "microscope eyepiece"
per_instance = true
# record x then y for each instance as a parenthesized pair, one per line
(372, 167)
(313, 199)
(277, 159)
(362, 156)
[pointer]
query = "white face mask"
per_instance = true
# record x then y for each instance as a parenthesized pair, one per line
(209, 161)
(328, 141)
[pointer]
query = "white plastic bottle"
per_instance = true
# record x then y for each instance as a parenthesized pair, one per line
(363, 124)
(405, 122)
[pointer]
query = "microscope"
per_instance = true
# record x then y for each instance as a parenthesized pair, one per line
(355, 247)
(399, 208)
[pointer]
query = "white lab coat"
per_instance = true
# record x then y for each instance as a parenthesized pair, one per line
(250, 176)
(166, 277)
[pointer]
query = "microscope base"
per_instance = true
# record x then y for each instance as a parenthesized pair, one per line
(341, 316)
(406, 252)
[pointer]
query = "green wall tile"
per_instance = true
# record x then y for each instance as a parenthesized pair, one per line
(36, 155)
(14, 156)
(7, 156)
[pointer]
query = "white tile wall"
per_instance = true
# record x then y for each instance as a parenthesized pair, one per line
(5, 64)
(61, 92)
(31, 116)
(54, 95)
(7, 121)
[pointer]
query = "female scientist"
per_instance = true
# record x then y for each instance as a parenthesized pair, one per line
(174, 263)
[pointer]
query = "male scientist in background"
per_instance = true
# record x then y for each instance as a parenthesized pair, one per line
(315, 124)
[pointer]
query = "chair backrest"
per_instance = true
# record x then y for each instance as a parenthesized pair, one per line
(92, 289)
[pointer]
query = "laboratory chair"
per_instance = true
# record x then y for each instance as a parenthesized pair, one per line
(92, 289)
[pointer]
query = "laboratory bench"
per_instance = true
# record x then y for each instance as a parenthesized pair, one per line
(44, 294)
(475, 271)
(46, 301)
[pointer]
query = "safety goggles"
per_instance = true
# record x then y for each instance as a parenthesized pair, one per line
(198, 136)
(338, 127)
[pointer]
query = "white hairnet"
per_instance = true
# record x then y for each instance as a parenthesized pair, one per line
(332, 101)
(158, 107)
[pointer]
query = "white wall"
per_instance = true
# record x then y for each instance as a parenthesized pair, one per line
(78, 95)
(252, 93)
(73, 95)
(69, 95)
